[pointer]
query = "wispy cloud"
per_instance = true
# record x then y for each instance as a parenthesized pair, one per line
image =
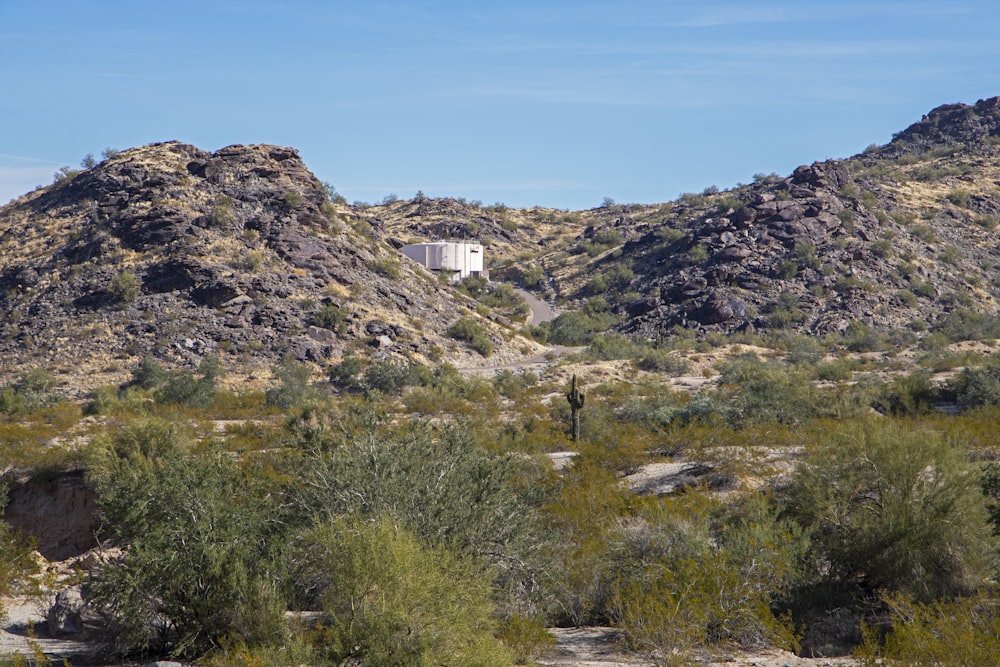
(22, 158)
(16, 181)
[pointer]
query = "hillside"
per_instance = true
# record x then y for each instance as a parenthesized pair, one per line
(900, 236)
(172, 252)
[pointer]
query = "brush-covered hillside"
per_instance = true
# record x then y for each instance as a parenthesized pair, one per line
(902, 236)
(174, 253)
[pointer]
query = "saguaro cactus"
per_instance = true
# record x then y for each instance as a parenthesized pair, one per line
(575, 398)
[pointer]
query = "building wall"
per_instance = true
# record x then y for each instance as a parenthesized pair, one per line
(459, 259)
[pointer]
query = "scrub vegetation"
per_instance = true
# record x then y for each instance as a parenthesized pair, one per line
(405, 514)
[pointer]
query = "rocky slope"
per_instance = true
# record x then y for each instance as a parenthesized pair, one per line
(900, 236)
(173, 252)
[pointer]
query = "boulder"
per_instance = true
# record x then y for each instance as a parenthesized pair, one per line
(70, 616)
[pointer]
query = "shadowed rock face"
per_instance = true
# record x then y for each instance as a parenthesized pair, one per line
(173, 252)
(58, 511)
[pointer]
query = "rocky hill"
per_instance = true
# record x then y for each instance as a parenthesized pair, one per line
(173, 252)
(901, 236)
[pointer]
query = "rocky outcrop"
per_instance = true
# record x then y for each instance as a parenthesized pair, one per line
(173, 252)
(57, 510)
(899, 236)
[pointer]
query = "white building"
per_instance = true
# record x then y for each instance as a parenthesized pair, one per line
(456, 259)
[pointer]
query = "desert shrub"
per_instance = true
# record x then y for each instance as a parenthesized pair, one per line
(389, 599)
(692, 576)
(975, 388)
(386, 266)
(31, 392)
(614, 346)
(503, 297)
(990, 484)
(391, 377)
(580, 327)
(533, 276)
(17, 559)
(472, 332)
(345, 373)
(837, 370)
(785, 311)
(124, 288)
(664, 361)
(177, 387)
(443, 488)
(892, 507)
(527, 637)
(698, 254)
(590, 505)
(149, 374)
(294, 389)
(859, 337)
(924, 232)
(965, 324)
(514, 384)
(944, 633)
(330, 316)
(907, 396)
(958, 197)
(199, 541)
(183, 387)
(473, 286)
(760, 392)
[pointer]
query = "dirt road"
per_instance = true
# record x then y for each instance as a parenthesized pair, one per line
(540, 311)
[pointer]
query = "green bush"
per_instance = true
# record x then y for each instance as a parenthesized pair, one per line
(472, 332)
(893, 507)
(178, 387)
(345, 374)
(691, 578)
(198, 563)
(391, 377)
(389, 599)
(761, 392)
(975, 388)
(664, 361)
(31, 392)
(294, 389)
(443, 488)
(965, 324)
(946, 633)
(330, 316)
(184, 388)
(580, 327)
(908, 395)
(124, 288)
(17, 558)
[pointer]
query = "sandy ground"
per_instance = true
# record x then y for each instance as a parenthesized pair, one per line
(25, 632)
(597, 647)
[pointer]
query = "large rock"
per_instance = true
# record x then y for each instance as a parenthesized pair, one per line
(59, 510)
(70, 616)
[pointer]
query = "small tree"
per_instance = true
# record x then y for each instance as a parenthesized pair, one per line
(391, 600)
(199, 547)
(294, 389)
(893, 508)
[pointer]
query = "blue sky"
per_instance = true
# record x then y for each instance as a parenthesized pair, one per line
(524, 102)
